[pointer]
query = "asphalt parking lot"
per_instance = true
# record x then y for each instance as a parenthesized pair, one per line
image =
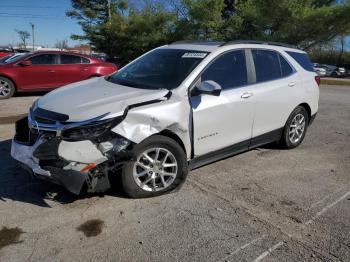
(263, 205)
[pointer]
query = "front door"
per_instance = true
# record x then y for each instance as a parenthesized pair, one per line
(225, 120)
(40, 75)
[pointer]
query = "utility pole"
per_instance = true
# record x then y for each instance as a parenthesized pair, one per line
(32, 33)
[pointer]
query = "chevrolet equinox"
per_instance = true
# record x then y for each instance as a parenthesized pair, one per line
(175, 108)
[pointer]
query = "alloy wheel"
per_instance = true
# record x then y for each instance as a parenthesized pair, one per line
(296, 128)
(155, 169)
(5, 88)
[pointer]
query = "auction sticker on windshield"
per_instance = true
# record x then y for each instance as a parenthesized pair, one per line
(194, 55)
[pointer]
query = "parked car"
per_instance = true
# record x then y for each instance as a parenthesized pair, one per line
(332, 71)
(46, 70)
(346, 67)
(320, 70)
(176, 108)
(4, 52)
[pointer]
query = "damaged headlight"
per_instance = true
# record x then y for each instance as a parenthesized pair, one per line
(95, 130)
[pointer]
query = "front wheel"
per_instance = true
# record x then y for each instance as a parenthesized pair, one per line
(295, 128)
(159, 166)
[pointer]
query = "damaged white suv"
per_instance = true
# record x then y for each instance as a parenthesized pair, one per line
(175, 108)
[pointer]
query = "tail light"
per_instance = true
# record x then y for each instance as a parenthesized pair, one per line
(318, 80)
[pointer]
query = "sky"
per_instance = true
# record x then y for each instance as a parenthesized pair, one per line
(48, 16)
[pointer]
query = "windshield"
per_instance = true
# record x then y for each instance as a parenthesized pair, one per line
(159, 69)
(18, 57)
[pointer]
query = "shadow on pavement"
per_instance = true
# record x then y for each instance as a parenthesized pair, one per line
(19, 185)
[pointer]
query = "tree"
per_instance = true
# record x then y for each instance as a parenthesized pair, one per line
(117, 29)
(111, 25)
(23, 36)
(63, 44)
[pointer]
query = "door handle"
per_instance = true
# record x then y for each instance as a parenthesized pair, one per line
(246, 95)
(51, 71)
(291, 84)
(85, 69)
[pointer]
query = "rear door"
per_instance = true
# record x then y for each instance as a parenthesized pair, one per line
(274, 93)
(72, 69)
(225, 120)
(40, 75)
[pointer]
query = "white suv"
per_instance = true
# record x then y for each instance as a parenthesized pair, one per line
(176, 108)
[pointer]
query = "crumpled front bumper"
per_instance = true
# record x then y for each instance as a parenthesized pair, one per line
(71, 179)
(67, 164)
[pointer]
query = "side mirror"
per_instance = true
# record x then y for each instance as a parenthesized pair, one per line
(25, 63)
(208, 87)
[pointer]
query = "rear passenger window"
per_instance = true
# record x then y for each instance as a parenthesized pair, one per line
(270, 65)
(267, 65)
(303, 60)
(229, 70)
(70, 59)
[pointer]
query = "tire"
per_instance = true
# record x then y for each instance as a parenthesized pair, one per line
(297, 121)
(143, 178)
(7, 88)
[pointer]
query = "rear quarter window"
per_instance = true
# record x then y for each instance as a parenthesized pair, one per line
(303, 60)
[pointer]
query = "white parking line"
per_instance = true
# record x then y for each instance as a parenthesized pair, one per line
(243, 247)
(269, 251)
(324, 198)
(327, 207)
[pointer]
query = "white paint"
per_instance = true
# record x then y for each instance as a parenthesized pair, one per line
(82, 151)
(243, 247)
(324, 199)
(318, 214)
(269, 251)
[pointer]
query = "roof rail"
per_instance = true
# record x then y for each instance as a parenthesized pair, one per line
(198, 42)
(256, 42)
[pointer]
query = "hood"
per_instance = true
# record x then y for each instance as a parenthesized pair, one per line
(94, 97)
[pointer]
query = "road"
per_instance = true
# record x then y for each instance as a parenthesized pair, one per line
(263, 205)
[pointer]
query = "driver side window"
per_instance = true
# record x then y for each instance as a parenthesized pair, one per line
(229, 70)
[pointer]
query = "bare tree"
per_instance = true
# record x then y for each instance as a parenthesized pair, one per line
(23, 35)
(63, 44)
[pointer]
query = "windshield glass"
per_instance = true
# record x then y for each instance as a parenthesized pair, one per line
(159, 69)
(18, 57)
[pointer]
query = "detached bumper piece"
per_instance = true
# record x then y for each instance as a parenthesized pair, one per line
(70, 164)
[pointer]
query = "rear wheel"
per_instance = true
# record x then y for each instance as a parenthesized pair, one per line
(159, 166)
(295, 128)
(7, 88)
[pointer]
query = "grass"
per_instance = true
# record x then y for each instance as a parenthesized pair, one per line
(335, 81)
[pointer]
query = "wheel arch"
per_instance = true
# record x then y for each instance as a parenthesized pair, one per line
(175, 137)
(307, 108)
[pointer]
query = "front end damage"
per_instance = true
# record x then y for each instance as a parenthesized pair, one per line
(70, 154)
(87, 152)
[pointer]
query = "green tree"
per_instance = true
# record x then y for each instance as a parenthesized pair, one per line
(113, 27)
(118, 29)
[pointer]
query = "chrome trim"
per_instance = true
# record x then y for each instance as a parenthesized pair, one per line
(58, 127)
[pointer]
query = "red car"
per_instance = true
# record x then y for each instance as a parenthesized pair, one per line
(42, 71)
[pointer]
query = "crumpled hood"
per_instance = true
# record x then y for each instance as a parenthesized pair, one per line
(94, 97)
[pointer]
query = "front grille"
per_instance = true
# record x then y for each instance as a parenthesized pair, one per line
(23, 133)
(43, 120)
(49, 115)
